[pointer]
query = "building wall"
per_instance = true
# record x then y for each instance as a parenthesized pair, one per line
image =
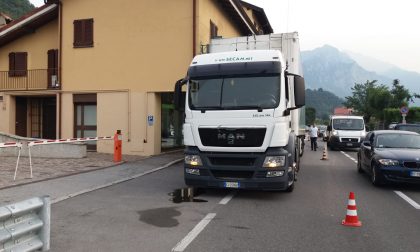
(141, 45)
(209, 10)
(7, 114)
(133, 58)
(35, 44)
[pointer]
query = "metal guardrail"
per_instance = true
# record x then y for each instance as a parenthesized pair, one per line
(24, 80)
(25, 226)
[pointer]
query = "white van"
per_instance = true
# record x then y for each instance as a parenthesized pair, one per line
(346, 132)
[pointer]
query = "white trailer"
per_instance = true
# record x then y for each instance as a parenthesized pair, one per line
(244, 113)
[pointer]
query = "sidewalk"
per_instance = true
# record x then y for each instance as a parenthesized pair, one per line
(61, 178)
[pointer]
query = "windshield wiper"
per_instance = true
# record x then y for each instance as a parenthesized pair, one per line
(203, 109)
(258, 108)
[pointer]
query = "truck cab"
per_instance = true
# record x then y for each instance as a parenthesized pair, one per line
(242, 119)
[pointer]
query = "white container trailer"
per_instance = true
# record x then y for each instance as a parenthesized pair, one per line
(244, 113)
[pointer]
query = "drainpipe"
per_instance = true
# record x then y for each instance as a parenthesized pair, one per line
(60, 55)
(194, 26)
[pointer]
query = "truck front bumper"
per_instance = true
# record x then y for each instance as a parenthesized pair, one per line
(238, 170)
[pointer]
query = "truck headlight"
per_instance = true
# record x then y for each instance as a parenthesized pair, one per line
(335, 133)
(274, 161)
(193, 160)
(388, 162)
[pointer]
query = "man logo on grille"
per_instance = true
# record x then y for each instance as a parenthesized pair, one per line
(231, 139)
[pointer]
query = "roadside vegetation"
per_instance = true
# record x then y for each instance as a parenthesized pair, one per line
(380, 105)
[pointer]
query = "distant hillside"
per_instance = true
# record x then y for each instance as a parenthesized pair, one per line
(409, 79)
(323, 101)
(15, 8)
(328, 68)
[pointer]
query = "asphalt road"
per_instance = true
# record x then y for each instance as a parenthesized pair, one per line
(140, 215)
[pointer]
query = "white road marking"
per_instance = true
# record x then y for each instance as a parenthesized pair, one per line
(56, 200)
(182, 245)
(408, 199)
(350, 157)
(227, 198)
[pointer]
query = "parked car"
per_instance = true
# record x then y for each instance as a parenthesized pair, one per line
(408, 126)
(392, 125)
(321, 131)
(390, 156)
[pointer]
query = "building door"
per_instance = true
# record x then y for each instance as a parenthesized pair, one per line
(52, 68)
(85, 123)
(172, 121)
(49, 118)
(21, 116)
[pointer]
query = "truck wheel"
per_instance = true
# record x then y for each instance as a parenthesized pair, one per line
(301, 146)
(291, 181)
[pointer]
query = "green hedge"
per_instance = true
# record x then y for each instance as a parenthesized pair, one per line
(394, 115)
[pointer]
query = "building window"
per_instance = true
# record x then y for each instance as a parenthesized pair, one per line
(83, 33)
(213, 30)
(18, 64)
(52, 68)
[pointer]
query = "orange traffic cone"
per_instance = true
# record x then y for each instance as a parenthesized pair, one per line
(351, 216)
(324, 154)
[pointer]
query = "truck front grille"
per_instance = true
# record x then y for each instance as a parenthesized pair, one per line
(224, 161)
(232, 137)
(222, 174)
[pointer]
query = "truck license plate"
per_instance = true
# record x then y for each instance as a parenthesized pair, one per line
(231, 185)
(415, 174)
(349, 144)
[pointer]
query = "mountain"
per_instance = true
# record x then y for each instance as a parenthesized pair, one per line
(409, 79)
(15, 8)
(328, 68)
(322, 101)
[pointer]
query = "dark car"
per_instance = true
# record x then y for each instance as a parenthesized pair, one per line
(390, 156)
(408, 126)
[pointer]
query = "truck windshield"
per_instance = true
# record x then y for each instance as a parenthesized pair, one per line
(348, 124)
(245, 92)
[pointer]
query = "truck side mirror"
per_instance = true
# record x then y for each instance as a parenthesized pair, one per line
(299, 91)
(178, 93)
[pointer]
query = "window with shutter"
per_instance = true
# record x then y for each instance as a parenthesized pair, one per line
(18, 64)
(213, 30)
(83, 33)
(52, 67)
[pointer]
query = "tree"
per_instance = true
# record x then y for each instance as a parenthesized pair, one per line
(360, 99)
(15, 8)
(369, 100)
(400, 95)
(310, 115)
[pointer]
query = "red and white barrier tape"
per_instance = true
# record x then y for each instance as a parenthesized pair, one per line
(10, 144)
(69, 140)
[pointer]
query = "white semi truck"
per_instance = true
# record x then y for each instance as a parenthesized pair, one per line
(244, 113)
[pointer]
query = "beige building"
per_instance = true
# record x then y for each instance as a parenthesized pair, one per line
(81, 68)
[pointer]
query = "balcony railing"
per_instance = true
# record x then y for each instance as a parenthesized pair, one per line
(37, 79)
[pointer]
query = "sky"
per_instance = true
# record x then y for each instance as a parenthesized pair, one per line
(386, 30)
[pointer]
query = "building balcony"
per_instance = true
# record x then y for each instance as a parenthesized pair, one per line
(22, 80)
